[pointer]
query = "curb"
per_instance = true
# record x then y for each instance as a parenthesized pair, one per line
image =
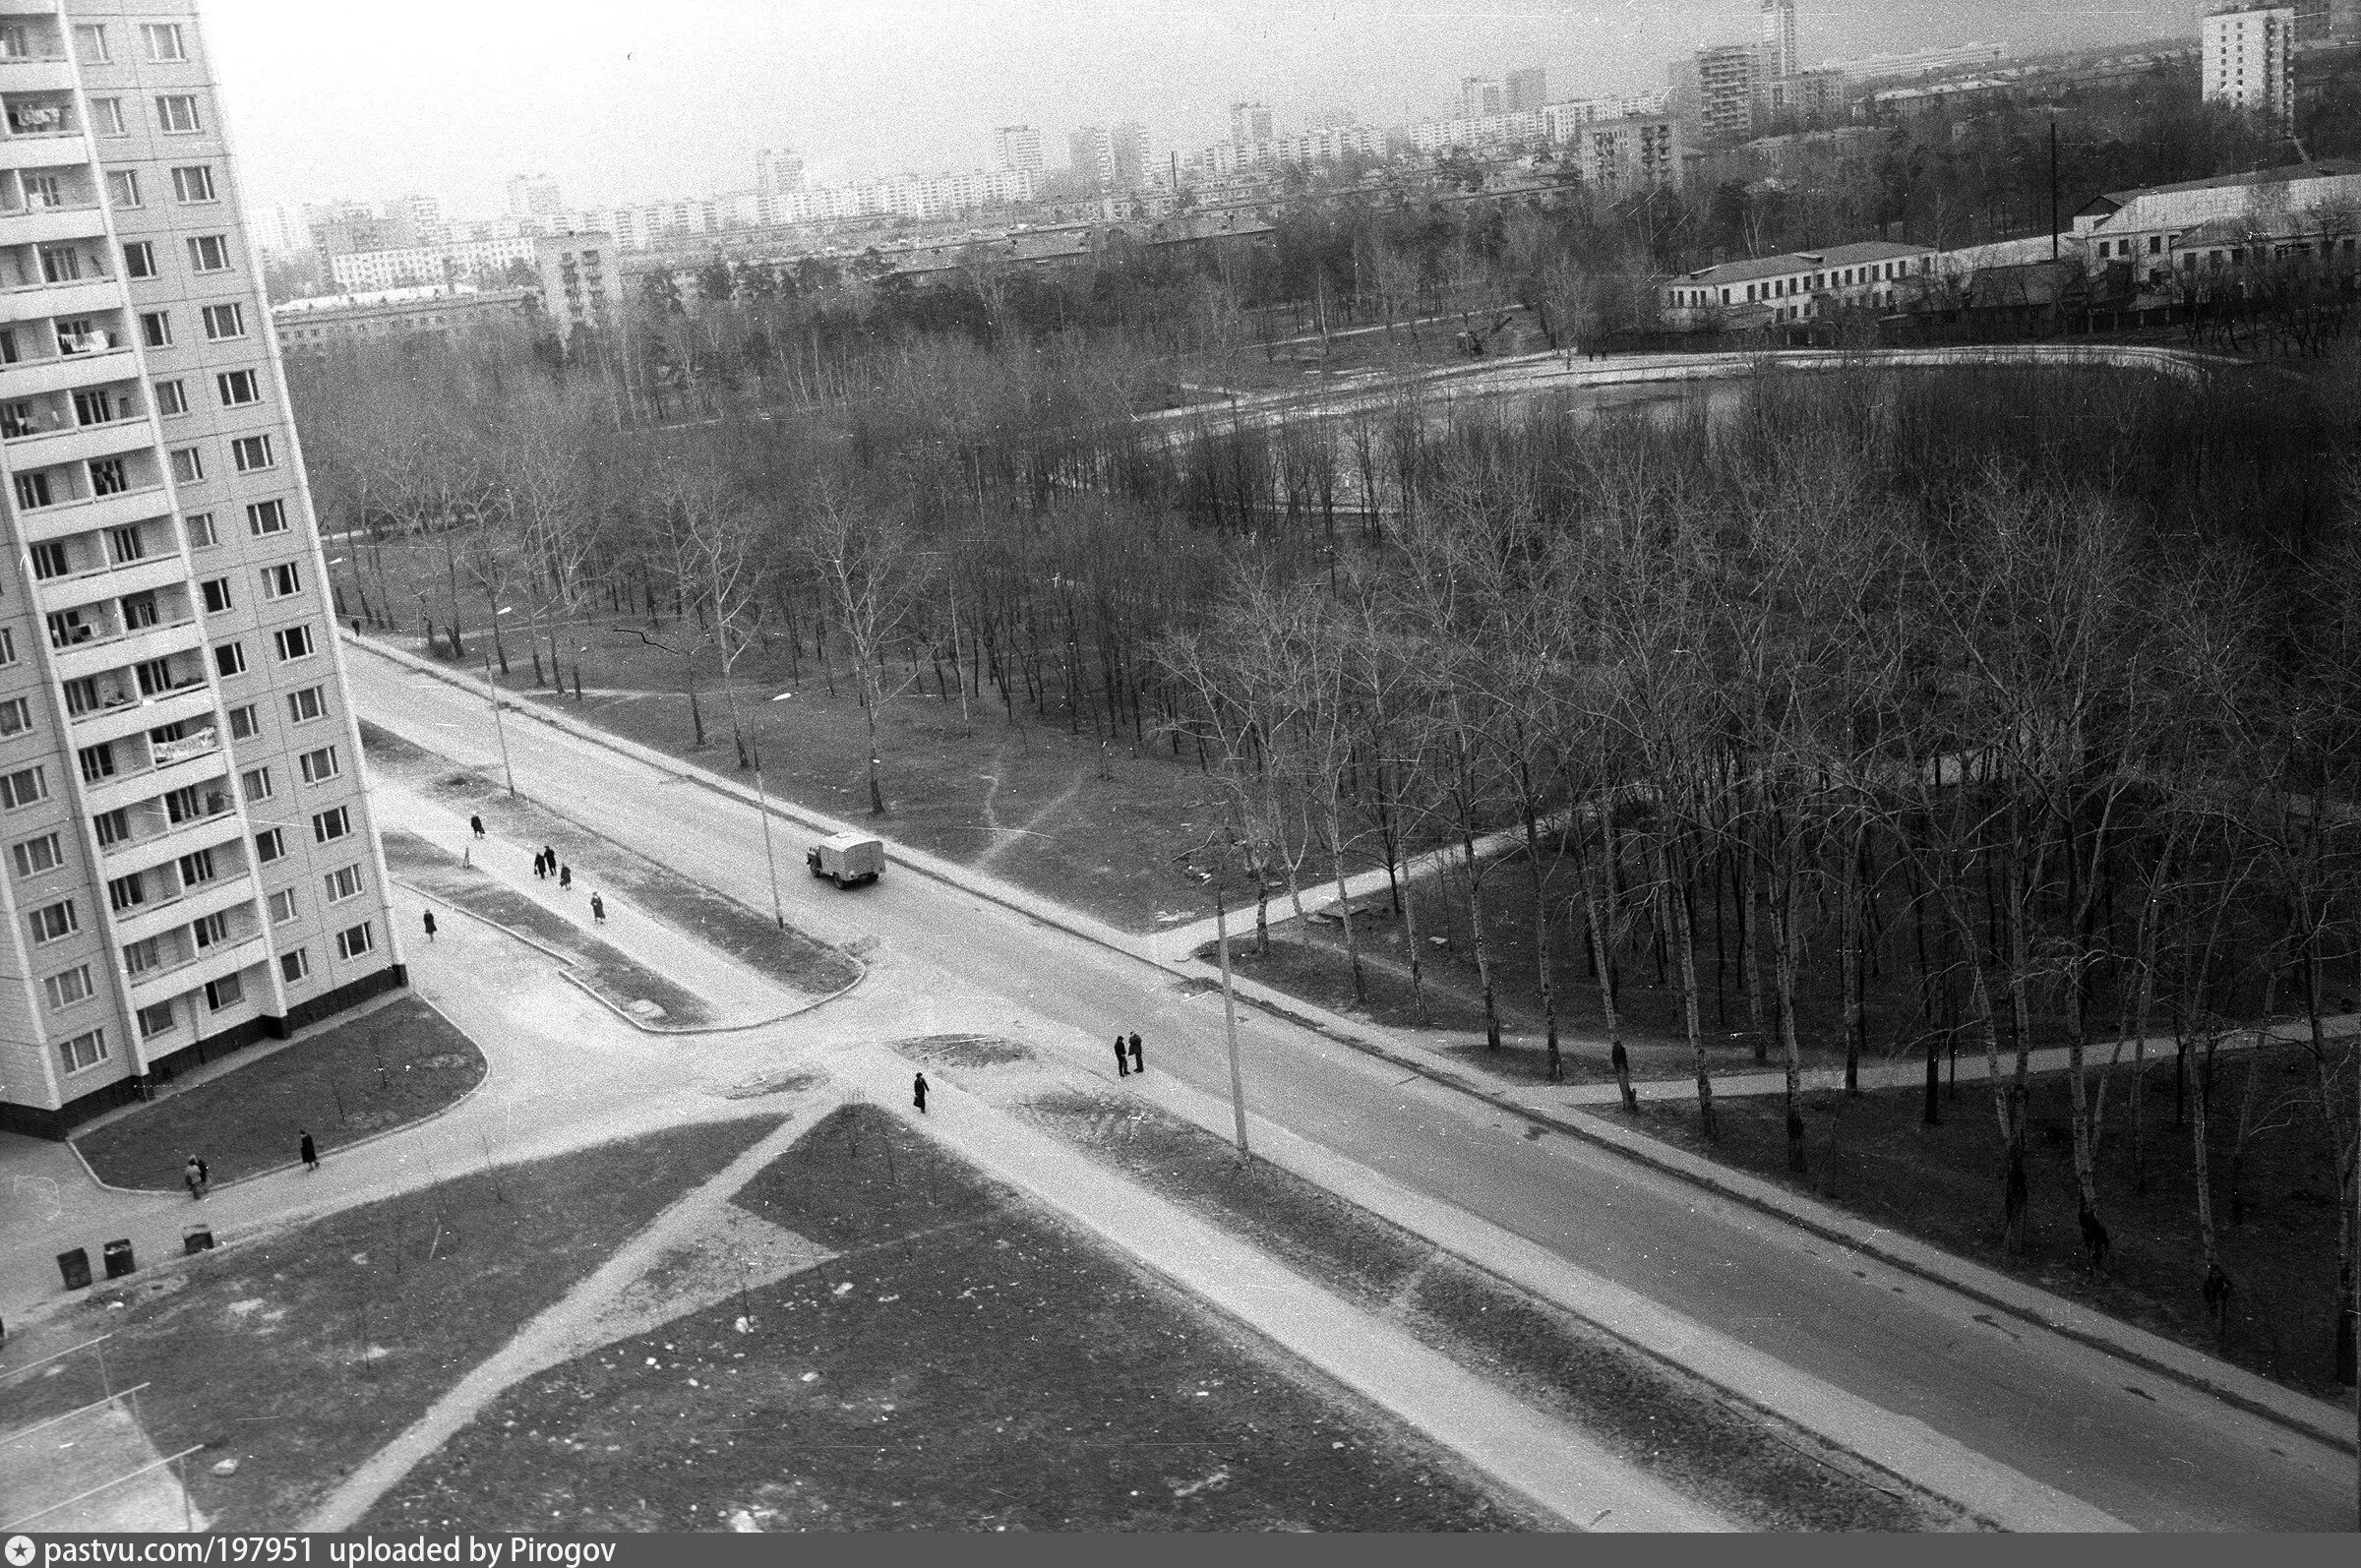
(1656, 1158)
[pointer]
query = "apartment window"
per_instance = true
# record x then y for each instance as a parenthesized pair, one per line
(156, 1020)
(208, 253)
(108, 477)
(82, 696)
(267, 517)
(176, 113)
(188, 465)
(123, 190)
(210, 931)
(197, 868)
(200, 530)
(142, 956)
(89, 43)
(216, 594)
(269, 846)
(243, 722)
(329, 826)
(127, 892)
(281, 580)
(294, 642)
(225, 320)
(101, 407)
(8, 645)
(37, 857)
(319, 764)
(96, 762)
(359, 940)
(125, 545)
(256, 782)
(164, 40)
(156, 328)
(172, 398)
(68, 987)
(227, 992)
(306, 704)
(295, 966)
(342, 885)
(282, 906)
(16, 419)
(113, 827)
(23, 787)
(107, 116)
(239, 387)
(16, 716)
(52, 920)
(193, 802)
(250, 453)
(192, 183)
(84, 1052)
(33, 491)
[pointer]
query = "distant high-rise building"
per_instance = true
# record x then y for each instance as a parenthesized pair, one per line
(2248, 61)
(1714, 89)
(1110, 158)
(417, 219)
(1480, 95)
(534, 196)
(1779, 38)
(342, 228)
(1017, 147)
(779, 171)
(1250, 123)
(1527, 91)
(192, 859)
(2315, 20)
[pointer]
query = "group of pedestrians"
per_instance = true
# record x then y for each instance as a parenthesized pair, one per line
(198, 1177)
(1127, 1060)
(545, 865)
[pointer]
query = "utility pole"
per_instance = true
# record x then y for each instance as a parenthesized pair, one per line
(2053, 186)
(492, 690)
(1221, 940)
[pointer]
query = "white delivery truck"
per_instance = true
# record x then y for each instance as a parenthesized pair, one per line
(847, 859)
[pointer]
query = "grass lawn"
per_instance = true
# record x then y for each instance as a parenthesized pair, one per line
(1873, 1155)
(1749, 1466)
(613, 974)
(396, 1063)
(302, 1353)
(790, 957)
(967, 1363)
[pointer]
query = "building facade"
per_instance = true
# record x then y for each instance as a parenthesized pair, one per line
(418, 265)
(1017, 147)
(314, 326)
(1779, 40)
(1714, 89)
(582, 281)
(188, 859)
(534, 196)
(1616, 158)
(1528, 90)
(1248, 123)
(2247, 60)
(1112, 158)
(1802, 286)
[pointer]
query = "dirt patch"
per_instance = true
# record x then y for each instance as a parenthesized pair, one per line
(1746, 1464)
(394, 1064)
(964, 1050)
(966, 1364)
(304, 1352)
(789, 957)
(618, 978)
(762, 1084)
(1873, 1155)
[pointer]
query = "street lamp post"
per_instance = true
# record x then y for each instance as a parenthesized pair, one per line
(771, 858)
(500, 729)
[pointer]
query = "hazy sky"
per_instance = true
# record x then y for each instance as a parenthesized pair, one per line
(672, 97)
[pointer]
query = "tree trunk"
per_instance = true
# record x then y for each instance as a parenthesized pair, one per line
(1683, 939)
(1602, 957)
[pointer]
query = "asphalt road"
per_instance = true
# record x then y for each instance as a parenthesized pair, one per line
(2148, 1451)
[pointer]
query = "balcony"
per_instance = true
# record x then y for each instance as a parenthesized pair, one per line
(158, 916)
(46, 226)
(165, 839)
(48, 372)
(80, 296)
(134, 785)
(35, 73)
(138, 504)
(86, 588)
(215, 962)
(121, 720)
(105, 649)
(78, 442)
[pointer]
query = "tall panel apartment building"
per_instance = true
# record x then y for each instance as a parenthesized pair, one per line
(1017, 147)
(2248, 61)
(1714, 89)
(188, 859)
(1779, 40)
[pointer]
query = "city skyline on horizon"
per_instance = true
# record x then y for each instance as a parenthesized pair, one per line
(993, 66)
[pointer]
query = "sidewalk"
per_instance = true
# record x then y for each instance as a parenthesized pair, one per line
(1550, 1106)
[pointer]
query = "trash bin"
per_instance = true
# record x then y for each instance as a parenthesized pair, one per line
(196, 1238)
(76, 1267)
(118, 1259)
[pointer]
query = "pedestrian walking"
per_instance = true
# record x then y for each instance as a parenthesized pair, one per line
(565, 877)
(1122, 1063)
(1137, 1066)
(475, 826)
(193, 1174)
(311, 1153)
(539, 866)
(430, 924)
(549, 857)
(598, 910)
(918, 1093)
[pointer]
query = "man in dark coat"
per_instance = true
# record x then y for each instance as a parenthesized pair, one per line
(918, 1093)
(1122, 1063)
(475, 826)
(540, 867)
(310, 1151)
(566, 878)
(1137, 1066)
(192, 1174)
(598, 910)
(430, 924)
